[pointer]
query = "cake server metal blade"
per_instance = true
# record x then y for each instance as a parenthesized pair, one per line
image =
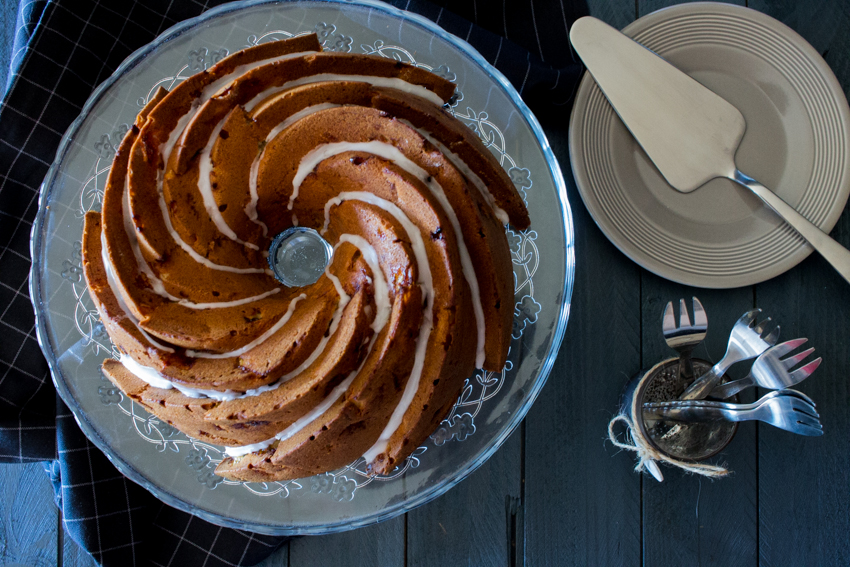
(687, 130)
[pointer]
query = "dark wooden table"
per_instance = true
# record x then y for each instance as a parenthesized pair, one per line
(558, 493)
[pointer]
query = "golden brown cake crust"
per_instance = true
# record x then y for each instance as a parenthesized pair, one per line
(177, 270)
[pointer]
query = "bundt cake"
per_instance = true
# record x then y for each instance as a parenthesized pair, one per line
(369, 359)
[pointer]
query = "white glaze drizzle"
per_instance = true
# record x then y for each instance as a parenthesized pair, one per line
(426, 282)
(157, 285)
(163, 208)
(157, 380)
(205, 167)
(252, 448)
(259, 340)
(393, 154)
(218, 86)
(295, 117)
(111, 280)
(300, 423)
(145, 373)
(251, 207)
(391, 82)
(234, 303)
(382, 300)
(379, 282)
(465, 170)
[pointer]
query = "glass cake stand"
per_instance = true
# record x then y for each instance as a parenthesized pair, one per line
(179, 470)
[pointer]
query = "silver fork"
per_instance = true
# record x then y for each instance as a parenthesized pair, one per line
(747, 340)
(771, 371)
(785, 409)
(685, 336)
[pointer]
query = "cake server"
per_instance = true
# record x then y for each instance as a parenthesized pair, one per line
(689, 132)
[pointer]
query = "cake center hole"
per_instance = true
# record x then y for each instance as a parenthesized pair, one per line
(298, 256)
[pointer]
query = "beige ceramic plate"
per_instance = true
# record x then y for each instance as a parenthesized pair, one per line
(797, 143)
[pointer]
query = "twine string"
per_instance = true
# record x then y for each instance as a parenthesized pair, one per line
(648, 455)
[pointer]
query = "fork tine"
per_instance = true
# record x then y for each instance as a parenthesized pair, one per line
(806, 429)
(684, 319)
(801, 406)
(802, 373)
(782, 349)
(793, 361)
(772, 337)
(700, 318)
(748, 318)
(761, 327)
(809, 420)
(795, 393)
(668, 320)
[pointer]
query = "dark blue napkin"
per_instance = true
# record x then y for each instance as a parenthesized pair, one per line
(60, 51)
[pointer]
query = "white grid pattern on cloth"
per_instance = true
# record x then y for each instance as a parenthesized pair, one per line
(182, 539)
(33, 124)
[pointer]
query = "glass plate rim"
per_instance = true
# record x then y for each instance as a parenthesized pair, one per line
(557, 336)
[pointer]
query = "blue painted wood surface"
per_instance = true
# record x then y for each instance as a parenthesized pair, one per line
(557, 493)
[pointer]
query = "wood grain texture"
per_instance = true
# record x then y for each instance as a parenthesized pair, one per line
(470, 524)
(803, 496)
(820, 22)
(648, 6)
(688, 519)
(380, 544)
(582, 498)
(617, 13)
(279, 558)
(28, 517)
(838, 50)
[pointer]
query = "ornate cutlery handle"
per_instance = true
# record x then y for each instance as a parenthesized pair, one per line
(703, 385)
(731, 388)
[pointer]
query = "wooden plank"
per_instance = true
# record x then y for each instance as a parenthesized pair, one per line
(838, 49)
(28, 517)
(582, 498)
(617, 13)
(803, 500)
(648, 6)
(474, 523)
(380, 544)
(802, 480)
(688, 519)
(818, 21)
(803, 497)
(279, 558)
